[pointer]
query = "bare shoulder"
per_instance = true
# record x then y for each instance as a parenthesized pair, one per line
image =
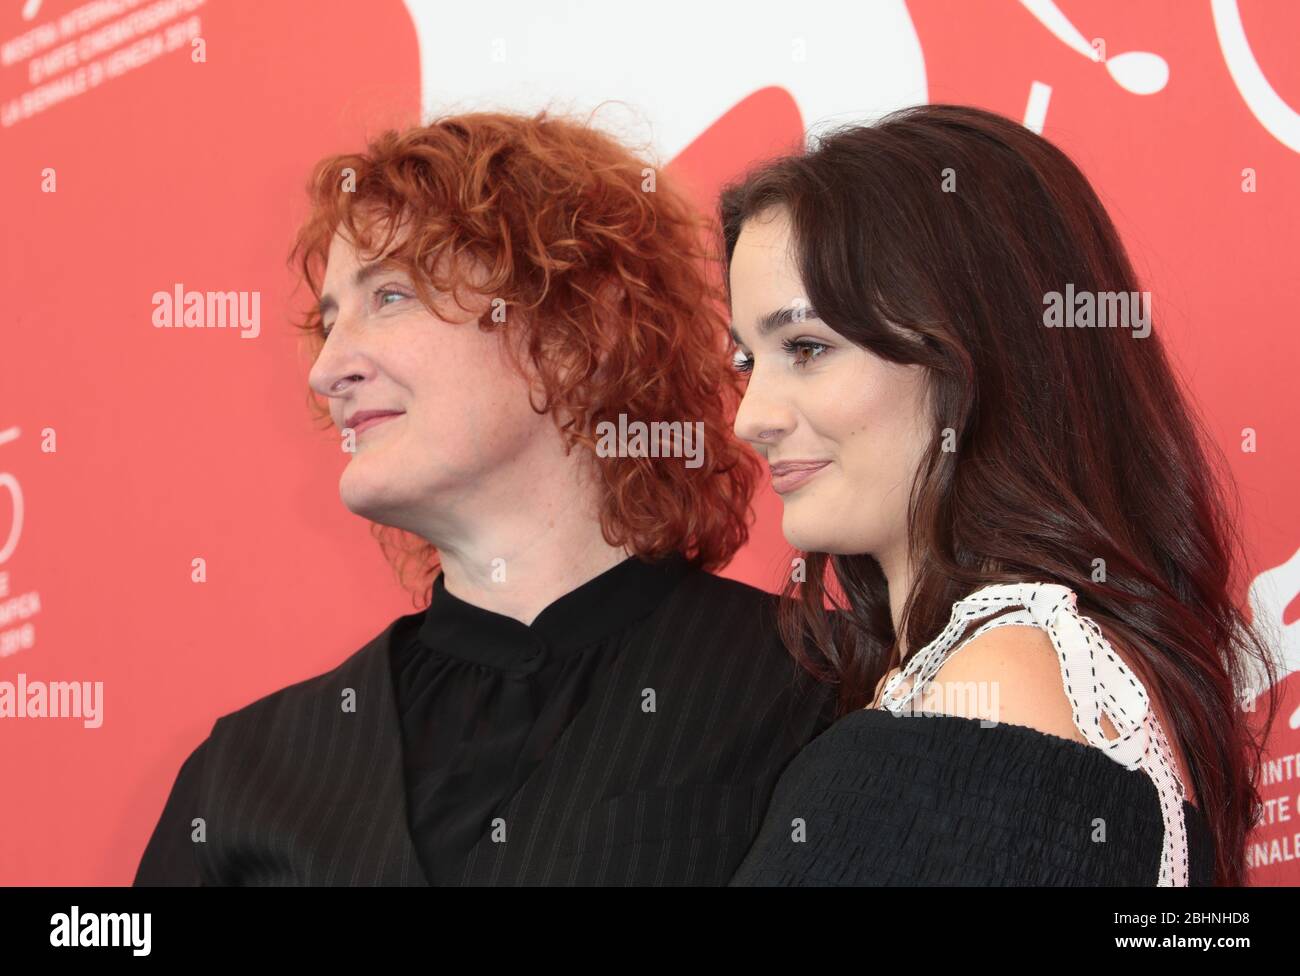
(1008, 674)
(1012, 675)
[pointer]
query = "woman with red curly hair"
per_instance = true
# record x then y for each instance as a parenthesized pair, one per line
(501, 300)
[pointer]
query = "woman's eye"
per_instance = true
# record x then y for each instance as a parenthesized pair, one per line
(741, 362)
(799, 346)
(381, 292)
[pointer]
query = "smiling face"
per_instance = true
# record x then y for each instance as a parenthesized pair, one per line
(461, 436)
(815, 397)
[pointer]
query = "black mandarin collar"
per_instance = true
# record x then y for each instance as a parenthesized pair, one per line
(599, 607)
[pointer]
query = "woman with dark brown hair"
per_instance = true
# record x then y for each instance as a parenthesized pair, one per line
(955, 381)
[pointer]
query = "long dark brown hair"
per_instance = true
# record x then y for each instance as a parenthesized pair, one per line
(933, 237)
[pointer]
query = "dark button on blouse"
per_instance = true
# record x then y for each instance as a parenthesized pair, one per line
(482, 697)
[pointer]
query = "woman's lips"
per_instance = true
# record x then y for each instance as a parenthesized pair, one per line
(789, 478)
(372, 421)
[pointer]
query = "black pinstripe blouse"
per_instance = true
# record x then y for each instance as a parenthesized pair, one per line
(483, 697)
(632, 734)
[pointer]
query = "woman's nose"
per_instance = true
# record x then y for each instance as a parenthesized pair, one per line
(760, 420)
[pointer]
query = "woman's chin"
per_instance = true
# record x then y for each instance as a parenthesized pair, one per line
(366, 496)
(819, 534)
(808, 538)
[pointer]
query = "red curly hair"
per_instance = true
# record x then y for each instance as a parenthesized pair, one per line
(609, 265)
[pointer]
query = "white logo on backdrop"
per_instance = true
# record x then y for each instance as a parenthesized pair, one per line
(678, 66)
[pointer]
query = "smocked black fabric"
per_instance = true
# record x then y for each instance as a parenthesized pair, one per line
(928, 799)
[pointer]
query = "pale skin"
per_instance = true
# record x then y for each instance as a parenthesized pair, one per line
(468, 465)
(829, 399)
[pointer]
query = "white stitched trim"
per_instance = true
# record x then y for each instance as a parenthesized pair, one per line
(1096, 681)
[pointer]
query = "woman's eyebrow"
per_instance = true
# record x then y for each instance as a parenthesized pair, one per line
(779, 318)
(360, 277)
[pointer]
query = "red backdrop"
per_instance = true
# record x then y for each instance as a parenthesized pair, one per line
(128, 451)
